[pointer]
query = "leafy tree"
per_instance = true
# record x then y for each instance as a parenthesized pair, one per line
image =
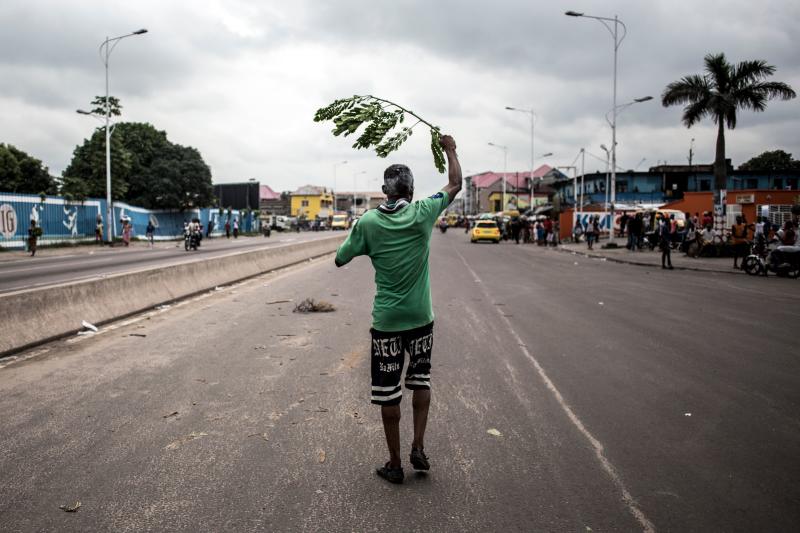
(22, 173)
(720, 93)
(85, 176)
(147, 169)
(771, 160)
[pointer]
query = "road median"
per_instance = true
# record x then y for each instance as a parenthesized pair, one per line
(35, 316)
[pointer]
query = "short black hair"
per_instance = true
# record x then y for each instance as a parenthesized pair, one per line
(398, 181)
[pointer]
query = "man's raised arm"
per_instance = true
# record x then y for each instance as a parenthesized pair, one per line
(453, 186)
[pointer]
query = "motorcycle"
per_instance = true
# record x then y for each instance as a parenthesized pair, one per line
(783, 261)
(191, 240)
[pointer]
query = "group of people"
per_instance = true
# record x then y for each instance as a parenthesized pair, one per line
(520, 228)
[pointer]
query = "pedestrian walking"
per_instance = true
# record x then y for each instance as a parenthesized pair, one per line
(539, 233)
(592, 231)
(228, 229)
(665, 231)
(235, 228)
(209, 228)
(98, 230)
(126, 232)
(33, 236)
(396, 237)
(149, 232)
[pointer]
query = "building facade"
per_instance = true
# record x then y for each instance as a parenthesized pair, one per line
(312, 202)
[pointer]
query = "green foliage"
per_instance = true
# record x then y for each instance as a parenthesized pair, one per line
(99, 104)
(381, 117)
(720, 93)
(147, 169)
(22, 173)
(772, 160)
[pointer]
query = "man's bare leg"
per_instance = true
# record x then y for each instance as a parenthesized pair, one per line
(421, 403)
(391, 427)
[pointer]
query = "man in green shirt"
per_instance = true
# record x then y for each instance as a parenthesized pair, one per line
(396, 236)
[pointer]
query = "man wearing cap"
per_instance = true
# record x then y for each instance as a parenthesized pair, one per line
(396, 237)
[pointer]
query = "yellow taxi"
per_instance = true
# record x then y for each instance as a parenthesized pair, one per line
(485, 230)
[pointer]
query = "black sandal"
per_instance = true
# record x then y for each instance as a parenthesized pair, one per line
(392, 475)
(419, 460)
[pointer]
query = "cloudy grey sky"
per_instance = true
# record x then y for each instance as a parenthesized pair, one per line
(240, 80)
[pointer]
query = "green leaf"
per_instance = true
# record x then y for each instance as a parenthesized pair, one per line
(380, 117)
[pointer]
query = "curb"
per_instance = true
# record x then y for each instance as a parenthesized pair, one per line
(36, 316)
(639, 263)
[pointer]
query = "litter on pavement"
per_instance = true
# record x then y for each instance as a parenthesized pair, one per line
(309, 305)
(493, 432)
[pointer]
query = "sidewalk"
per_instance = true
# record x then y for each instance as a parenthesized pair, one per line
(652, 258)
(85, 249)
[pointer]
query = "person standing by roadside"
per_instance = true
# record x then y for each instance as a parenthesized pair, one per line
(577, 231)
(739, 238)
(235, 228)
(623, 223)
(633, 231)
(396, 236)
(98, 230)
(516, 227)
(228, 229)
(149, 232)
(665, 234)
(591, 229)
(33, 236)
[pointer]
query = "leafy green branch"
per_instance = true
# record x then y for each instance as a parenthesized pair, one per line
(381, 116)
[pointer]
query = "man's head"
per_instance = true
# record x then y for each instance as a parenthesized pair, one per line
(398, 182)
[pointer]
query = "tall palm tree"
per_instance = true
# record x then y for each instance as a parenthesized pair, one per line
(720, 93)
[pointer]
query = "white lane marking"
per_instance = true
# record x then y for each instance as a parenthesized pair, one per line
(630, 502)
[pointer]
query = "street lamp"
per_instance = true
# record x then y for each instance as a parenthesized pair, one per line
(355, 176)
(334, 182)
(617, 42)
(533, 121)
(505, 164)
(105, 52)
(605, 205)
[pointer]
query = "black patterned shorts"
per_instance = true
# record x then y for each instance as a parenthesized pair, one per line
(388, 356)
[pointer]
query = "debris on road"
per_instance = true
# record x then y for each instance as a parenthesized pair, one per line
(173, 413)
(493, 432)
(183, 440)
(309, 305)
(600, 303)
(321, 455)
(70, 508)
(162, 307)
(87, 325)
(687, 414)
(278, 302)
(136, 335)
(262, 435)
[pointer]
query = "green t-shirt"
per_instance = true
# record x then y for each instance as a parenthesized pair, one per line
(397, 238)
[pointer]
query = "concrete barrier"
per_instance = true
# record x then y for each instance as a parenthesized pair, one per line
(34, 316)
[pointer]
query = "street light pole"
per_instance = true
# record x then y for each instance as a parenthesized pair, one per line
(505, 165)
(355, 176)
(334, 183)
(617, 42)
(533, 124)
(105, 49)
(605, 205)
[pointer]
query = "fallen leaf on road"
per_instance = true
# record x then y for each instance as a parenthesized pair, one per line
(321, 456)
(183, 440)
(70, 508)
(309, 305)
(493, 432)
(173, 413)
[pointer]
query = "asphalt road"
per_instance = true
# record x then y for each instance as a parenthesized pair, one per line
(51, 266)
(627, 399)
